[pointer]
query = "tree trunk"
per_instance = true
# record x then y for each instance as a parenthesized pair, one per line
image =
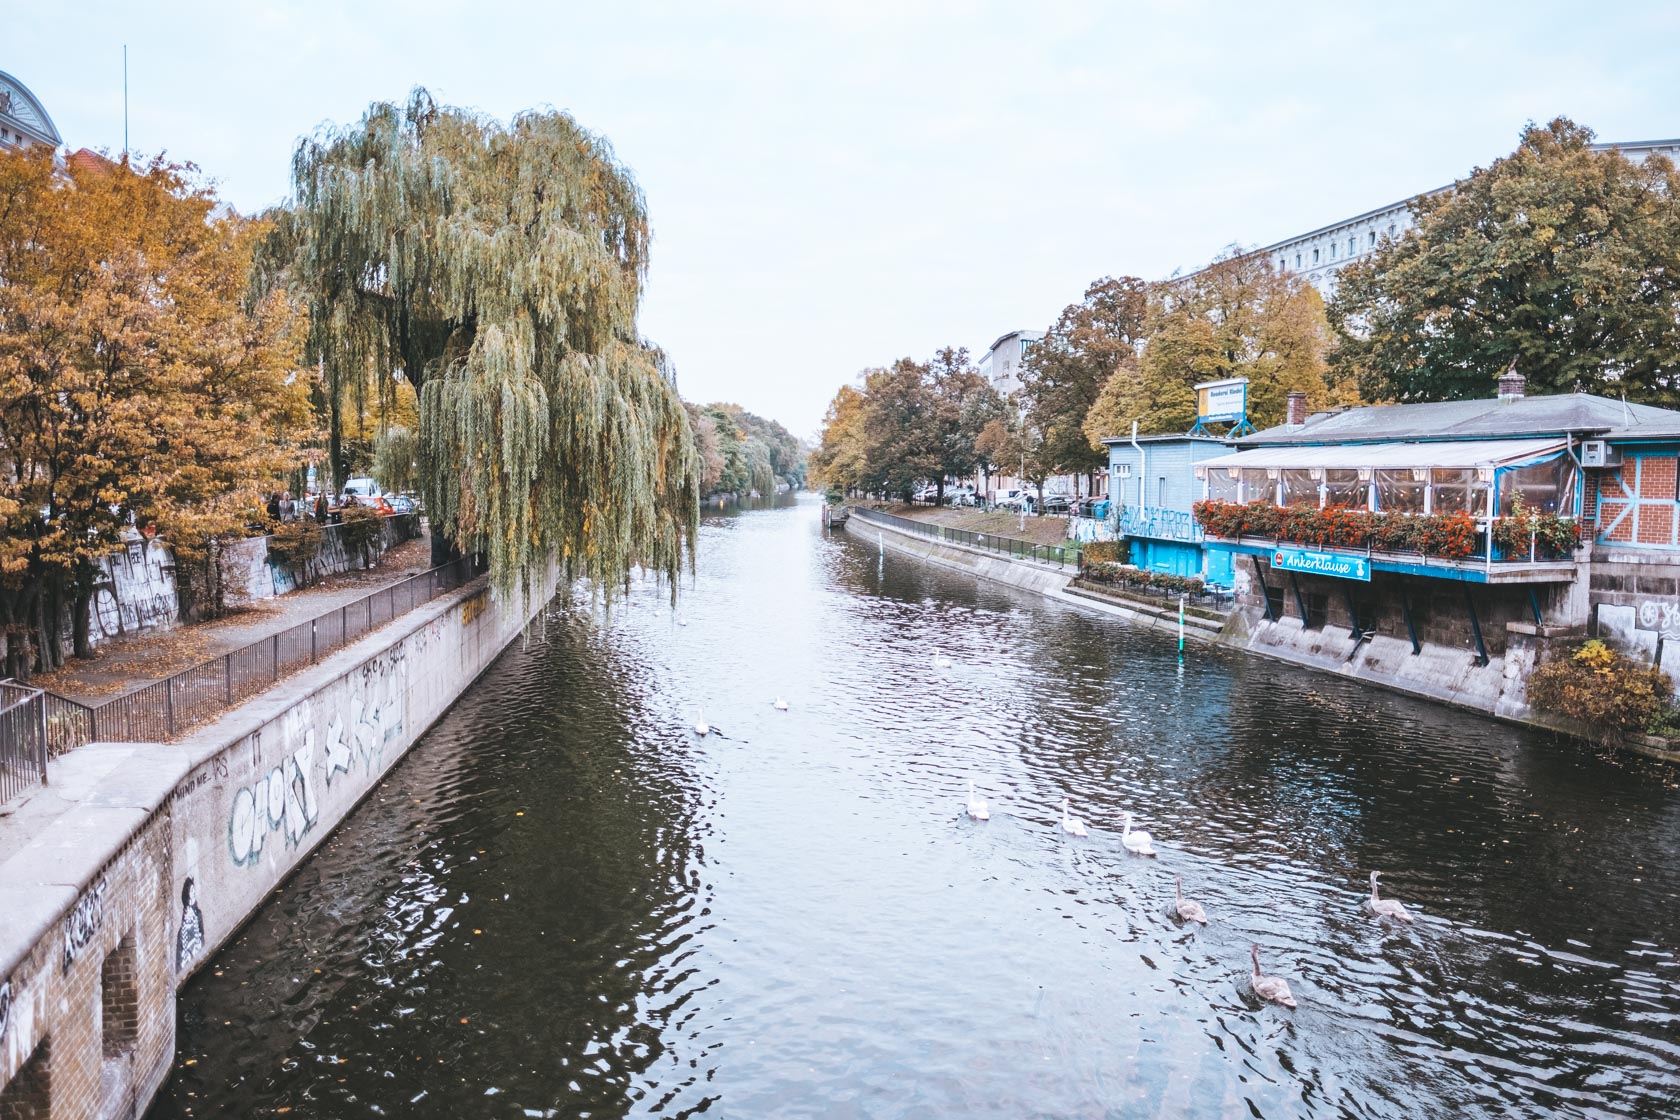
(82, 599)
(939, 491)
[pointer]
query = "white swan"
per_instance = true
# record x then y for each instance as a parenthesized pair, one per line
(1138, 842)
(1073, 826)
(701, 727)
(940, 661)
(1273, 988)
(977, 809)
(1386, 907)
(779, 704)
(1187, 911)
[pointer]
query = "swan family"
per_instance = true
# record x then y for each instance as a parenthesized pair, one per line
(1272, 989)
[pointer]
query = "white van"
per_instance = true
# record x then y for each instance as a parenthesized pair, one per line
(362, 489)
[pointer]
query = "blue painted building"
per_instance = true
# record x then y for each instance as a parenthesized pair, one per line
(1152, 486)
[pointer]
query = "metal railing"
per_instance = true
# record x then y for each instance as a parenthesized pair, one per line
(166, 708)
(1058, 554)
(23, 739)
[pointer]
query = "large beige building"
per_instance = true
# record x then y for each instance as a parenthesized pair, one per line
(1318, 255)
(23, 119)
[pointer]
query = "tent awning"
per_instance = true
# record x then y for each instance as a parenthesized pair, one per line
(1446, 454)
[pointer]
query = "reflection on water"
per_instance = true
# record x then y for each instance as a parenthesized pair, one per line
(564, 904)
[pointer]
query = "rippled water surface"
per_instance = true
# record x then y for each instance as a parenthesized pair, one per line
(562, 903)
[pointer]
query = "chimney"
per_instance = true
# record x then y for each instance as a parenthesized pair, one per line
(1295, 413)
(1511, 384)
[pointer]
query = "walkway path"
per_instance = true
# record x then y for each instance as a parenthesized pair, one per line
(122, 664)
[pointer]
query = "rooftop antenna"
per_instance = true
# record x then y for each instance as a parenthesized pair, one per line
(1627, 413)
(125, 102)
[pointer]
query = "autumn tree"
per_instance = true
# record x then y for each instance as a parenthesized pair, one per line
(1560, 259)
(139, 386)
(962, 405)
(499, 270)
(899, 419)
(1063, 373)
(1239, 317)
(838, 462)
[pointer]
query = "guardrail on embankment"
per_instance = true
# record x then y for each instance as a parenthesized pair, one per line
(1060, 555)
(48, 725)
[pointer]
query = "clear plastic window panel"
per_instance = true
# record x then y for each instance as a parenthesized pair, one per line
(1399, 492)
(1343, 487)
(1548, 487)
(1222, 487)
(1257, 487)
(1300, 488)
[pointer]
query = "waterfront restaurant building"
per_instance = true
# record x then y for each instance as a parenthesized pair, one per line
(1607, 465)
(1153, 486)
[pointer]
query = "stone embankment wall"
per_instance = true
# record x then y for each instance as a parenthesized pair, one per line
(135, 588)
(139, 860)
(1636, 604)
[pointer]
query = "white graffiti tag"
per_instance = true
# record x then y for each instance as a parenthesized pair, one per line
(1655, 614)
(284, 800)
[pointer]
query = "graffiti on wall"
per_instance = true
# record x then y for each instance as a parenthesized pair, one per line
(1661, 615)
(282, 800)
(83, 922)
(378, 693)
(5, 1007)
(189, 937)
(134, 591)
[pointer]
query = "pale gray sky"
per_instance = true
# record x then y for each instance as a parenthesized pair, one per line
(833, 186)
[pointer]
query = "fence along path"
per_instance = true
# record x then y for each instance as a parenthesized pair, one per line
(1058, 554)
(166, 708)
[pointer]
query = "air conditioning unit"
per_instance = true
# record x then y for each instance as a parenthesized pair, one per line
(1598, 453)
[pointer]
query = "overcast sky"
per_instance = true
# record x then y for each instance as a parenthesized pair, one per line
(836, 185)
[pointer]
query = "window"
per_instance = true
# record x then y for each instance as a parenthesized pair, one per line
(1350, 246)
(1122, 470)
(1300, 488)
(1332, 250)
(1343, 487)
(1222, 484)
(1548, 487)
(1373, 238)
(1399, 490)
(1283, 262)
(1457, 491)
(1257, 486)
(1161, 491)
(1315, 256)
(1297, 260)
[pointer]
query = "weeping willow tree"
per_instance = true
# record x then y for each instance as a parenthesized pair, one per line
(499, 269)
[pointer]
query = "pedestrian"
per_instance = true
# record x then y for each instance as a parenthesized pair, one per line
(274, 506)
(321, 507)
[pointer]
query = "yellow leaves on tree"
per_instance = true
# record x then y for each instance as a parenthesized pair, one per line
(135, 385)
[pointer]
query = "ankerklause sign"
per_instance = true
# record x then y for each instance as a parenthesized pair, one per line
(1321, 563)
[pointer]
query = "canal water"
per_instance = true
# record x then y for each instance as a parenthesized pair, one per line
(565, 904)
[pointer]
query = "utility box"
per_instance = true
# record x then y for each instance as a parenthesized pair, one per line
(1599, 453)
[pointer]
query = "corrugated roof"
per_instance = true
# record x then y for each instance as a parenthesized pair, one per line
(1484, 418)
(1457, 453)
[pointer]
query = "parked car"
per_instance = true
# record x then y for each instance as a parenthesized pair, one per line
(963, 497)
(1057, 503)
(362, 489)
(402, 503)
(1016, 499)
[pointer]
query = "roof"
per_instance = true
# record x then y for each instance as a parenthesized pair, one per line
(1023, 332)
(1564, 414)
(24, 109)
(1112, 441)
(1465, 453)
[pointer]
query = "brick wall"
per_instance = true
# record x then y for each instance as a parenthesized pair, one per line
(75, 1042)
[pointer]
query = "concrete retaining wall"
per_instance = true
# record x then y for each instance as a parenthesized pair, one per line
(138, 860)
(1029, 575)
